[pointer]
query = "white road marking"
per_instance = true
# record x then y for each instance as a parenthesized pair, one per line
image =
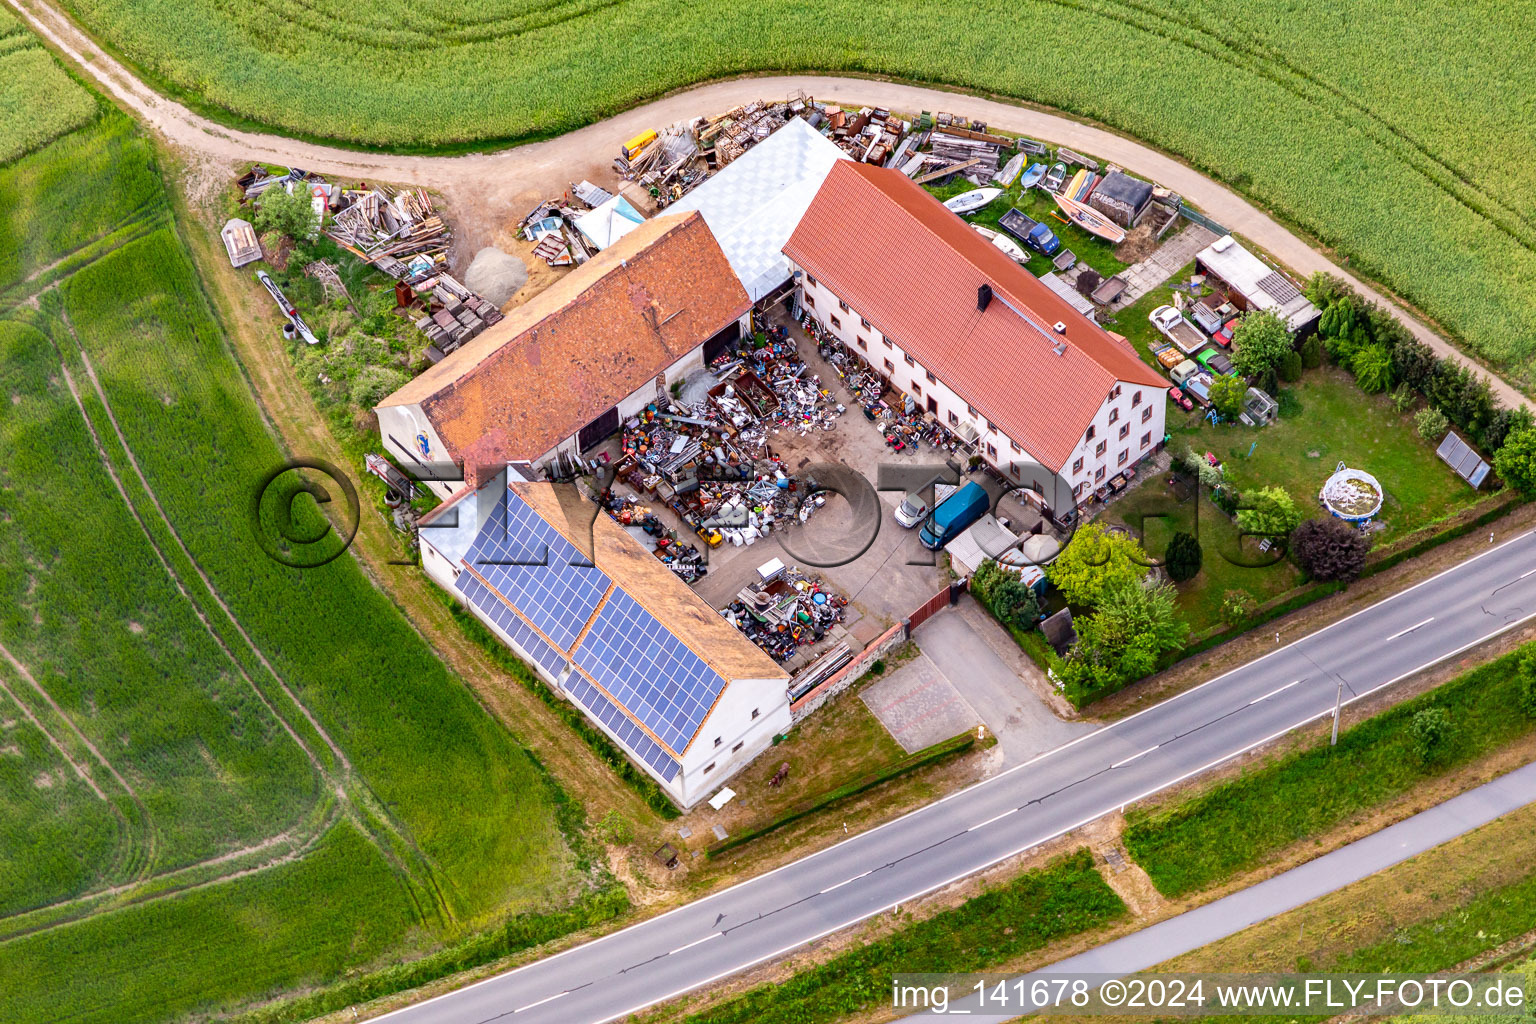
(1271, 693)
(801, 864)
(989, 821)
(1524, 575)
(844, 882)
(541, 1002)
(711, 935)
(1410, 629)
(1133, 757)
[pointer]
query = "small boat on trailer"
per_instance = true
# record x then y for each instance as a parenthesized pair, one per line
(1055, 177)
(1006, 245)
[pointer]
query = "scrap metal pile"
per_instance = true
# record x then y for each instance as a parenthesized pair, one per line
(904, 424)
(783, 393)
(785, 610)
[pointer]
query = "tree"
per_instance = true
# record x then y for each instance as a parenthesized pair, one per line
(1402, 397)
(1515, 461)
(1123, 638)
(1087, 281)
(1312, 353)
(1268, 512)
(1290, 367)
(290, 215)
(1183, 558)
(1237, 605)
(1004, 593)
(1503, 423)
(1259, 341)
(1329, 549)
(1227, 394)
(1094, 561)
(1429, 730)
(1430, 423)
(1373, 369)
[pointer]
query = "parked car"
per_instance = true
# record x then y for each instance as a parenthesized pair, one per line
(1223, 336)
(1029, 231)
(1215, 360)
(914, 507)
(954, 515)
(1181, 400)
(1185, 370)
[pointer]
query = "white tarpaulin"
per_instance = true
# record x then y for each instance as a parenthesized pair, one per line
(610, 222)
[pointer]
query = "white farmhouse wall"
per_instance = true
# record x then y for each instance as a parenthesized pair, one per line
(706, 765)
(399, 426)
(1003, 452)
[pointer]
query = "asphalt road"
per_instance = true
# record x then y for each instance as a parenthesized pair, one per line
(1231, 914)
(1018, 809)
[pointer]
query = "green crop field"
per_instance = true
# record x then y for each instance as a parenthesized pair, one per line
(221, 779)
(1396, 132)
(38, 101)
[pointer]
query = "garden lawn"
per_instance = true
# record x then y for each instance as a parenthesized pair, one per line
(1237, 825)
(1090, 249)
(1331, 421)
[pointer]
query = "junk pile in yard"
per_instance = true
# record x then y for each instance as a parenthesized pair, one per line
(785, 609)
(766, 381)
(906, 426)
(398, 233)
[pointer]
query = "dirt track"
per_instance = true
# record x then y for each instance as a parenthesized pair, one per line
(488, 190)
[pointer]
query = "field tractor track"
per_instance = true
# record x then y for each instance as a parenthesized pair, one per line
(1328, 100)
(364, 808)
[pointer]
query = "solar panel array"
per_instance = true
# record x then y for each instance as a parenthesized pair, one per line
(1278, 287)
(481, 597)
(631, 735)
(536, 569)
(1460, 457)
(649, 671)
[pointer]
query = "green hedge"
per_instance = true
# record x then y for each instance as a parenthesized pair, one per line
(1205, 839)
(594, 737)
(1066, 897)
(918, 759)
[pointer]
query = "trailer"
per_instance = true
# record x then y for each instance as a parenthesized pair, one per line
(1177, 329)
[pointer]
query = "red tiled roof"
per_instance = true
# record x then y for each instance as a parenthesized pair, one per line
(570, 353)
(898, 257)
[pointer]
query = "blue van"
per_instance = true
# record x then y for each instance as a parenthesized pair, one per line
(954, 516)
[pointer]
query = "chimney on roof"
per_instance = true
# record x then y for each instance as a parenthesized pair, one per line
(983, 298)
(1060, 348)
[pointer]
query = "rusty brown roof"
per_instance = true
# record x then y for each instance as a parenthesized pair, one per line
(898, 257)
(574, 350)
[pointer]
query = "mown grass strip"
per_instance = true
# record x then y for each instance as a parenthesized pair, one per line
(941, 751)
(1066, 897)
(1205, 839)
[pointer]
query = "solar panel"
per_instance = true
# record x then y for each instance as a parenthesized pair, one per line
(631, 735)
(1463, 459)
(492, 607)
(649, 670)
(541, 573)
(1278, 287)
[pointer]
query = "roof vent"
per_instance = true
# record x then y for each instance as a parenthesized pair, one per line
(1059, 327)
(1060, 348)
(983, 297)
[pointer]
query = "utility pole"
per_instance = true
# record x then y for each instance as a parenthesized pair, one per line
(1338, 703)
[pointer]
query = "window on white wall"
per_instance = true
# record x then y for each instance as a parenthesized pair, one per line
(836, 323)
(1125, 431)
(1098, 449)
(864, 323)
(1114, 414)
(842, 305)
(1146, 439)
(810, 280)
(1135, 399)
(1146, 414)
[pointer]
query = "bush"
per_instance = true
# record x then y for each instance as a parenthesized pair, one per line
(1290, 367)
(1431, 423)
(1402, 397)
(1312, 353)
(1373, 369)
(1268, 512)
(1429, 730)
(1237, 605)
(1184, 557)
(616, 829)
(1329, 549)
(289, 215)
(1526, 694)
